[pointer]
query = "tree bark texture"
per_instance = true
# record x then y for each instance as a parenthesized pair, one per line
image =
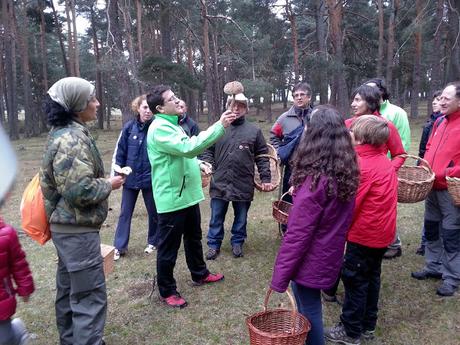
(381, 39)
(416, 74)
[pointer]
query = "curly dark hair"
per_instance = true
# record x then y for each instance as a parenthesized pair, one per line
(326, 149)
(56, 114)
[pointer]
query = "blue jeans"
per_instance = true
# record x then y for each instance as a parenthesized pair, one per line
(128, 202)
(219, 209)
(309, 305)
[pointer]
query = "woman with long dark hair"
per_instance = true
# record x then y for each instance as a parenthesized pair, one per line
(75, 190)
(325, 178)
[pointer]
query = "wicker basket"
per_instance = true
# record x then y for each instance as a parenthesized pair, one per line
(453, 186)
(278, 326)
(415, 182)
(281, 210)
(274, 170)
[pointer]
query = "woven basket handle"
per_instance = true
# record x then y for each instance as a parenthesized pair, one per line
(283, 195)
(293, 305)
(416, 158)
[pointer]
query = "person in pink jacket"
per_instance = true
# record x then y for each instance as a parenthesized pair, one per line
(325, 178)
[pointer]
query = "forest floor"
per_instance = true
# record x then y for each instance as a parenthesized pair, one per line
(410, 311)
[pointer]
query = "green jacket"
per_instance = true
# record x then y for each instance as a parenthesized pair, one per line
(72, 178)
(176, 178)
(398, 117)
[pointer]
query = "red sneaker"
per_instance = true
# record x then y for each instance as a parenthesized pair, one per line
(174, 301)
(211, 278)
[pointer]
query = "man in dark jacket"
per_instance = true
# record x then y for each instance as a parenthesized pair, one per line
(186, 122)
(232, 158)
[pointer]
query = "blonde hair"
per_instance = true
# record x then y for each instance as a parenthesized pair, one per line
(136, 103)
(370, 129)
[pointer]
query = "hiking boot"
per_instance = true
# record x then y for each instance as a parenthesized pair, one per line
(446, 290)
(338, 335)
(420, 250)
(212, 254)
(237, 251)
(174, 301)
(368, 334)
(149, 249)
(392, 253)
(425, 274)
(210, 278)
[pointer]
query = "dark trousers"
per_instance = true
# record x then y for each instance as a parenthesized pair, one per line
(309, 305)
(361, 278)
(128, 202)
(81, 298)
(172, 226)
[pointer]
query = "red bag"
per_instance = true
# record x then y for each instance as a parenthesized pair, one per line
(33, 214)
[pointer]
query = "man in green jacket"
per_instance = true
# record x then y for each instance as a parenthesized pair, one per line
(176, 182)
(398, 117)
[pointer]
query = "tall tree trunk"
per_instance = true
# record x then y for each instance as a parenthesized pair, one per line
(381, 40)
(217, 84)
(76, 50)
(416, 73)
(115, 43)
(436, 82)
(165, 28)
(99, 88)
(322, 49)
(139, 30)
(44, 59)
(3, 98)
(10, 67)
(30, 120)
(454, 38)
(292, 20)
(191, 99)
(129, 40)
(335, 8)
(70, 43)
(391, 41)
(212, 108)
(61, 41)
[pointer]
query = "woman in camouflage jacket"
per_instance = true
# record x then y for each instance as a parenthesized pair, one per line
(76, 191)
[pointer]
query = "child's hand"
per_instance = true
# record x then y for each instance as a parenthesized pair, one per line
(25, 298)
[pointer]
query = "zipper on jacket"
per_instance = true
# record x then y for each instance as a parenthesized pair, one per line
(182, 188)
(7, 287)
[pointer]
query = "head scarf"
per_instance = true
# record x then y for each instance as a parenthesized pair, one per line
(8, 163)
(72, 93)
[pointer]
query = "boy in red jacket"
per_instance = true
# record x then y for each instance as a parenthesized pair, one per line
(371, 231)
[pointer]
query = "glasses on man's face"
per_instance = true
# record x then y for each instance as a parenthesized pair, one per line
(173, 98)
(300, 95)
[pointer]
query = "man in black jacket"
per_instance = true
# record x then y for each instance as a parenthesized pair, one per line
(233, 158)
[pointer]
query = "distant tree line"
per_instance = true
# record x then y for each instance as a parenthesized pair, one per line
(199, 45)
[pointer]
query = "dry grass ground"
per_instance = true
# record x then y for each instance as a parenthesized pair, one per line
(410, 311)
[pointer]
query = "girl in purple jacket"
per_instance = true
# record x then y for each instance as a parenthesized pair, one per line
(325, 178)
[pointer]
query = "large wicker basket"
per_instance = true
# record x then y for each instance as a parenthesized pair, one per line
(414, 182)
(281, 210)
(453, 186)
(275, 170)
(278, 326)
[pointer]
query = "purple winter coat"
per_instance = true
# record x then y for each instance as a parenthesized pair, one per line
(312, 250)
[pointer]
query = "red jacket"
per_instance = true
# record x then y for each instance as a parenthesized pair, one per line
(393, 144)
(13, 266)
(374, 216)
(443, 149)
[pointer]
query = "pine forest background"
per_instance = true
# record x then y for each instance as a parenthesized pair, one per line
(197, 46)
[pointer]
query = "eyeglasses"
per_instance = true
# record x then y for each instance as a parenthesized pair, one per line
(299, 95)
(172, 99)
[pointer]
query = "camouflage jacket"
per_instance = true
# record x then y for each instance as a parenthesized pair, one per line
(72, 178)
